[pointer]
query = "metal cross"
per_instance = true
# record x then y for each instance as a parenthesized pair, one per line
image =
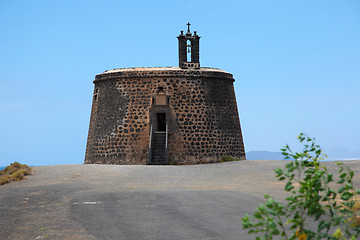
(188, 24)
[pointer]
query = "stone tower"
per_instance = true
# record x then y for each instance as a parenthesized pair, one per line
(179, 115)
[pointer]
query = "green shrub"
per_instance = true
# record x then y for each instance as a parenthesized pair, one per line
(227, 158)
(13, 167)
(313, 209)
(25, 171)
(17, 176)
(17, 165)
(4, 179)
(14, 172)
(10, 169)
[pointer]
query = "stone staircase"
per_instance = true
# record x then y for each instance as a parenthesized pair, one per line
(158, 151)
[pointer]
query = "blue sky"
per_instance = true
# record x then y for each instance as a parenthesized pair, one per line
(296, 65)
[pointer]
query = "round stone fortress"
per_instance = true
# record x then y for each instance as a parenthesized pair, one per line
(165, 115)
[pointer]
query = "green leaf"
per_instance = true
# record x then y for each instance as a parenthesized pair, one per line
(288, 186)
(348, 186)
(342, 180)
(329, 178)
(290, 164)
(342, 189)
(257, 215)
(346, 196)
(275, 232)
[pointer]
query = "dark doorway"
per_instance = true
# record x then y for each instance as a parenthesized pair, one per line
(161, 122)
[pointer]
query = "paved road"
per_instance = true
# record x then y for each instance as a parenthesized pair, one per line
(138, 202)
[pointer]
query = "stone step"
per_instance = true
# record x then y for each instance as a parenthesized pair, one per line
(159, 144)
(158, 153)
(158, 163)
(161, 149)
(158, 149)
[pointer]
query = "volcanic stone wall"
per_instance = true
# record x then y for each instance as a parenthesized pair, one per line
(202, 115)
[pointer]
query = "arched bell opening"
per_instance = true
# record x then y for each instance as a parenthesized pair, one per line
(188, 51)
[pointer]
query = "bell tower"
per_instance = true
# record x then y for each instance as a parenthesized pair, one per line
(189, 50)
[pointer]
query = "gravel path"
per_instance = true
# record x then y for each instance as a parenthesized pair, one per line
(139, 202)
